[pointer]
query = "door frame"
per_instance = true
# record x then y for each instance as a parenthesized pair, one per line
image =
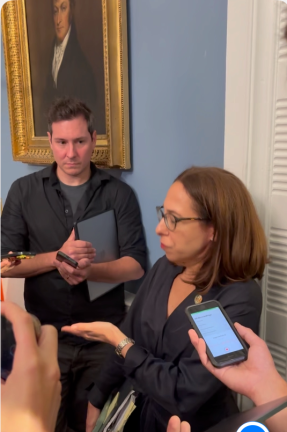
(252, 43)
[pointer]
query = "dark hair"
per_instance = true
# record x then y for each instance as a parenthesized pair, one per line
(68, 108)
(239, 249)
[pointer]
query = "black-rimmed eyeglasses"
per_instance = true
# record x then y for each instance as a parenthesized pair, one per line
(170, 220)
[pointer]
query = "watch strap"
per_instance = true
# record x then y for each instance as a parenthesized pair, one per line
(122, 344)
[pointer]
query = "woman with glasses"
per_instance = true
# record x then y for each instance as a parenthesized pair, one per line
(214, 248)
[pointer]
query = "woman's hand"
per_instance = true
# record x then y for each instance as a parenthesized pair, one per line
(174, 425)
(97, 331)
(31, 394)
(92, 417)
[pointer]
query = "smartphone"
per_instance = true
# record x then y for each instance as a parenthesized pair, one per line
(18, 255)
(65, 258)
(224, 346)
(8, 344)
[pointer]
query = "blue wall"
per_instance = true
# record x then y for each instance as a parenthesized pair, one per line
(177, 94)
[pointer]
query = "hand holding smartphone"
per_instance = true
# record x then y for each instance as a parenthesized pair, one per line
(18, 255)
(224, 346)
(65, 258)
(12, 259)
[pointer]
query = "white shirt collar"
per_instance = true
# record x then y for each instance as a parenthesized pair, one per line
(62, 45)
(59, 51)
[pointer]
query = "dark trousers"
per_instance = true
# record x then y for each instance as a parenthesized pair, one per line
(80, 366)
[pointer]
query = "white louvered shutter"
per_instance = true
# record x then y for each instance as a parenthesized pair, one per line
(276, 280)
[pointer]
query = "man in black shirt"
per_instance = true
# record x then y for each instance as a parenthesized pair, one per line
(39, 215)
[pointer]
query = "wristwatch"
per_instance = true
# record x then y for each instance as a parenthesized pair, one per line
(122, 344)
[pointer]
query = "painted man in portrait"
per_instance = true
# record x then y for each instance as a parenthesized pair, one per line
(70, 73)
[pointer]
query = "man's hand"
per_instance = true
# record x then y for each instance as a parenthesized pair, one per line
(256, 377)
(174, 425)
(31, 394)
(70, 274)
(92, 417)
(78, 249)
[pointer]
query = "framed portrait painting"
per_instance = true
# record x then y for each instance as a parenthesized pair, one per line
(56, 48)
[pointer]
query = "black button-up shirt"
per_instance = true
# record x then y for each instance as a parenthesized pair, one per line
(38, 217)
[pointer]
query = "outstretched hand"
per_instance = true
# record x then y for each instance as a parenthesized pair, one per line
(96, 331)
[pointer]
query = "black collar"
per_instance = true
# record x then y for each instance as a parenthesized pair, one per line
(97, 175)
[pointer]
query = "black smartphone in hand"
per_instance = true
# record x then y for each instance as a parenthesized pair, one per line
(19, 255)
(224, 346)
(65, 258)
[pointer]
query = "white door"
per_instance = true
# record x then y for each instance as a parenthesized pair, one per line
(256, 142)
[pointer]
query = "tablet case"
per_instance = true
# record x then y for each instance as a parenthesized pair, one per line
(101, 231)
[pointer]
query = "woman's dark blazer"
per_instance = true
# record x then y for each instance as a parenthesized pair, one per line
(163, 365)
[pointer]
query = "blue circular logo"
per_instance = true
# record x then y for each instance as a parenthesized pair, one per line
(252, 427)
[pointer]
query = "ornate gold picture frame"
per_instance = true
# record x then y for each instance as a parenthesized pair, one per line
(29, 28)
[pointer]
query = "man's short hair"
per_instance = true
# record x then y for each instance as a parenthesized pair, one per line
(69, 108)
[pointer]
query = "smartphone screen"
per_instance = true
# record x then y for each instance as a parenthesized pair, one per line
(216, 331)
(224, 345)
